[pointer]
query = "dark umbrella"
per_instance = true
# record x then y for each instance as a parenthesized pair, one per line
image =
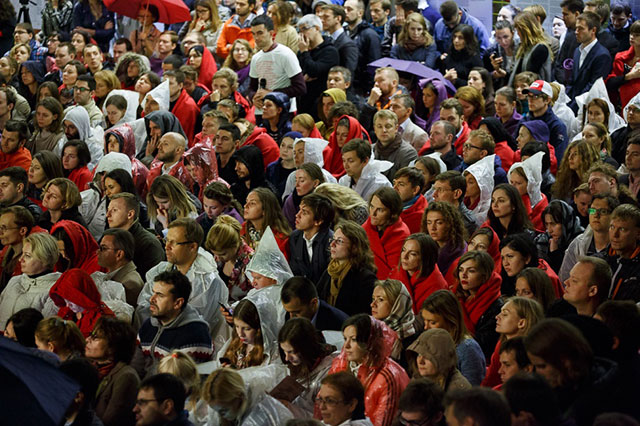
(410, 67)
(32, 390)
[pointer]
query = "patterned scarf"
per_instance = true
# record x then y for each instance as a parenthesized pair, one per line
(337, 270)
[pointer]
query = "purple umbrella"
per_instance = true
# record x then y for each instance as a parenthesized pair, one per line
(411, 67)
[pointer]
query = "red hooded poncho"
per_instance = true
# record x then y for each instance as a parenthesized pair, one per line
(333, 153)
(493, 250)
(77, 287)
(139, 172)
(85, 247)
(203, 159)
(207, 69)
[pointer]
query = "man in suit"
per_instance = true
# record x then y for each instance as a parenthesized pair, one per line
(115, 254)
(300, 299)
(403, 106)
(571, 9)
(591, 60)
(333, 16)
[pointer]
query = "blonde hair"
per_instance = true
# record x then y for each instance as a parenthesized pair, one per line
(184, 368)
(528, 309)
(168, 187)
(69, 192)
(304, 120)
(44, 248)
(530, 32)
(109, 78)
(391, 288)
(16, 47)
(223, 385)
(65, 335)
(224, 234)
(343, 199)
(415, 18)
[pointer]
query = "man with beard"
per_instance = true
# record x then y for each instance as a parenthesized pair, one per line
(14, 136)
(443, 134)
(76, 125)
(171, 148)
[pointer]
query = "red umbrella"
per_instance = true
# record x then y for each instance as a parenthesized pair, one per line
(171, 11)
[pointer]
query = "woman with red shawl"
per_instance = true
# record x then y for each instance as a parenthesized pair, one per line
(478, 290)
(202, 60)
(80, 249)
(367, 354)
(79, 300)
(121, 139)
(484, 239)
(347, 128)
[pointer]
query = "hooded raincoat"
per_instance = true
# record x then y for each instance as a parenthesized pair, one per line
(203, 160)
(571, 228)
(482, 170)
(133, 100)
(208, 66)
(383, 380)
(38, 70)
(94, 203)
(534, 201)
(85, 247)
(371, 178)
(92, 137)
(160, 94)
(438, 347)
(313, 149)
(76, 293)
(564, 113)
(599, 91)
(268, 146)
(441, 95)
(251, 157)
(207, 290)
(127, 141)
(284, 122)
(123, 64)
(324, 127)
(333, 153)
(503, 139)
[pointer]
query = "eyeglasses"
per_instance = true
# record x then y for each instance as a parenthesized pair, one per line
(170, 243)
(4, 228)
(103, 248)
(329, 402)
(337, 241)
(469, 146)
(143, 402)
(600, 212)
(81, 89)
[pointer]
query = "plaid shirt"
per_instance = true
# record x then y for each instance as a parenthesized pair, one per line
(38, 53)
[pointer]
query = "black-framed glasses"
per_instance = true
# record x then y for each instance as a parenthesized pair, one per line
(143, 402)
(469, 146)
(81, 89)
(329, 402)
(104, 248)
(5, 228)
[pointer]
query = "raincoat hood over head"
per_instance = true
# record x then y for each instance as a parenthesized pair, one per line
(251, 156)
(270, 323)
(160, 94)
(282, 101)
(599, 91)
(570, 223)
(532, 167)
(79, 116)
(436, 156)
(36, 68)
(133, 100)
(538, 129)
(498, 131)
(333, 159)
(112, 161)
(483, 171)
(338, 95)
(268, 260)
(437, 346)
(202, 157)
(313, 149)
(166, 121)
(85, 247)
(379, 344)
(144, 66)
(635, 101)
(75, 286)
(441, 95)
(126, 138)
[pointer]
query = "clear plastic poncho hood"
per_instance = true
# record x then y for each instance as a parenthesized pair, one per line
(483, 171)
(532, 167)
(268, 260)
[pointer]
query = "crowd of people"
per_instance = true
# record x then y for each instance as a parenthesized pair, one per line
(257, 218)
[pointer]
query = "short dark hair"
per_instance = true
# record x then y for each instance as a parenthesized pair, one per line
(262, 20)
(174, 60)
(84, 155)
(167, 386)
(175, 73)
(126, 42)
(455, 179)
(524, 245)
(408, 5)
(231, 128)
(120, 337)
(360, 146)
(350, 388)
(573, 5)
(24, 324)
(623, 319)
(321, 207)
(413, 175)
(22, 216)
(122, 240)
(337, 10)
(621, 7)
(516, 345)
(11, 99)
(181, 287)
(601, 276)
(85, 374)
(591, 19)
(531, 393)
(89, 79)
(300, 287)
(448, 9)
(422, 395)
(192, 229)
(343, 108)
(485, 406)
(17, 175)
(130, 200)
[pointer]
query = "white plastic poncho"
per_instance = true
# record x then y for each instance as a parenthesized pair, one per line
(160, 94)
(565, 114)
(532, 167)
(599, 91)
(79, 116)
(443, 168)
(635, 101)
(371, 178)
(113, 295)
(133, 99)
(93, 208)
(313, 148)
(482, 170)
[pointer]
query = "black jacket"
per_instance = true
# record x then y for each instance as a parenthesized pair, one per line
(251, 157)
(625, 282)
(148, 251)
(71, 214)
(348, 51)
(355, 294)
(368, 44)
(300, 263)
(486, 334)
(33, 208)
(316, 64)
(569, 46)
(462, 62)
(327, 318)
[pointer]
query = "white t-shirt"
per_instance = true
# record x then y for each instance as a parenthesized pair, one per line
(277, 66)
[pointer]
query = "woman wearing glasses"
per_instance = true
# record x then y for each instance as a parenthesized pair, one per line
(110, 348)
(340, 401)
(347, 284)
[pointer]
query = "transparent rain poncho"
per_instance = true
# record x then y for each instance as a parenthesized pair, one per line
(598, 91)
(133, 99)
(160, 94)
(483, 171)
(532, 167)
(268, 260)
(313, 149)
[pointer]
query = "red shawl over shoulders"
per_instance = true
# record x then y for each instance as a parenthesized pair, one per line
(386, 250)
(474, 307)
(420, 287)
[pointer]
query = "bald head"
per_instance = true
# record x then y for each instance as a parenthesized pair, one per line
(171, 147)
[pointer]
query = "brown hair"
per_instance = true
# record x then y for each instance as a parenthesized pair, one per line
(246, 312)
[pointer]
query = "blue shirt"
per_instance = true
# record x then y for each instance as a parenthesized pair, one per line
(443, 33)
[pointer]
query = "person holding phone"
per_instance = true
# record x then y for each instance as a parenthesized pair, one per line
(500, 57)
